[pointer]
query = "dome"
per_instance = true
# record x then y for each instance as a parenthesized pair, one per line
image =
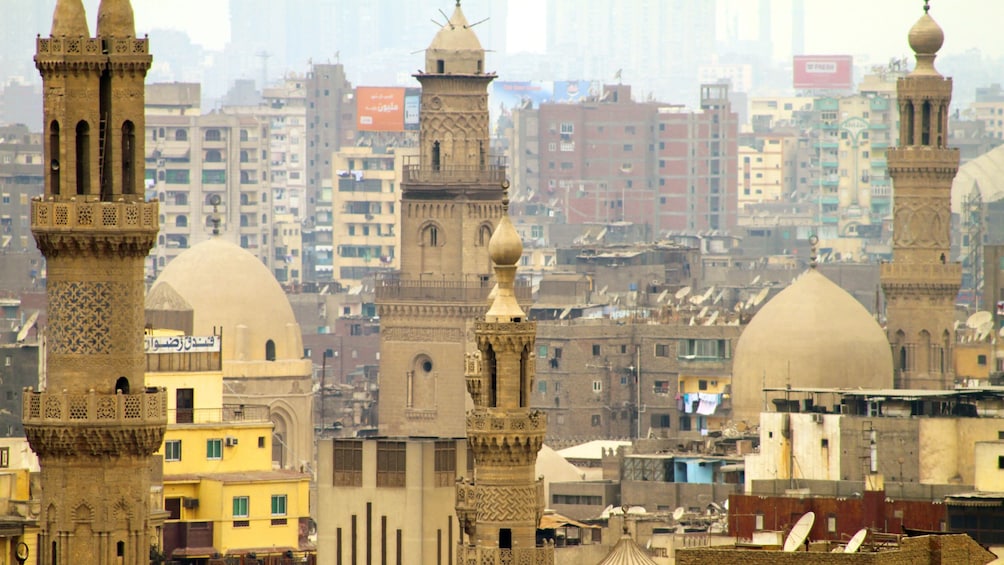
(228, 288)
(627, 552)
(455, 49)
(69, 19)
(115, 19)
(812, 334)
(926, 37)
(505, 246)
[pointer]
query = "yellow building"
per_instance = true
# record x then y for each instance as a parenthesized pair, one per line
(288, 242)
(762, 171)
(365, 217)
(220, 491)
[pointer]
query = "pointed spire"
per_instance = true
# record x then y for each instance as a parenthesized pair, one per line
(505, 249)
(69, 19)
(115, 19)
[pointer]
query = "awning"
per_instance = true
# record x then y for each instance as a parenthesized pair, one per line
(973, 502)
(555, 521)
(732, 468)
(174, 152)
(195, 552)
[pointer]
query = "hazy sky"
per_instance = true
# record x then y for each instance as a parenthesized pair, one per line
(874, 27)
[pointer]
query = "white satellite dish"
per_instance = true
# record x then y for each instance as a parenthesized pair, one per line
(678, 513)
(984, 330)
(856, 540)
(711, 320)
(718, 297)
(761, 296)
(980, 318)
(756, 279)
(799, 532)
(682, 292)
(703, 312)
(1001, 333)
(662, 296)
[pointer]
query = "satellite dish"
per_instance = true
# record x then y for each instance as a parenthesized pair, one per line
(682, 292)
(756, 279)
(703, 312)
(711, 321)
(978, 319)
(761, 296)
(662, 296)
(718, 297)
(1001, 333)
(856, 541)
(798, 533)
(678, 513)
(984, 330)
(725, 504)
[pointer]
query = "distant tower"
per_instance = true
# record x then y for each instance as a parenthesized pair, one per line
(94, 425)
(499, 509)
(450, 204)
(921, 282)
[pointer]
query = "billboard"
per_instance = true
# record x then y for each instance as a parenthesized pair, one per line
(823, 72)
(412, 103)
(380, 108)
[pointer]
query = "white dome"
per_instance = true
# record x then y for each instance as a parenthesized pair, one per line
(228, 288)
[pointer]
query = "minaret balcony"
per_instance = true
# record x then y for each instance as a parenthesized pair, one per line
(940, 275)
(392, 288)
(57, 46)
(498, 556)
(88, 214)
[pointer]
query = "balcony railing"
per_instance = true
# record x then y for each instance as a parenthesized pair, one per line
(492, 171)
(228, 413)
(93, 408)
(465, 289)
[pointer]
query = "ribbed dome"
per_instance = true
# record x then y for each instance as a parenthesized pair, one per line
(455, 49)
(228, 288)
(115, 19)
(926, 36)
(456, 35)
(812, 334)
(627, 552)
(69, 19)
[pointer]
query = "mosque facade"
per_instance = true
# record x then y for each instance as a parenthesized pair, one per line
(921, 283)
(93, 424)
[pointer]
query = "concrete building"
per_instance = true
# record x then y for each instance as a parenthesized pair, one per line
(365, 215)
(191, 159)
(922, 332)
(450, 204)
(612, 159)
(763, 172)
(287, 240)
(94, 425)
(219, 487)
(20, 181)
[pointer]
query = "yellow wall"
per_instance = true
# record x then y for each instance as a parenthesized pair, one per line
(967, 360)
(245, 456)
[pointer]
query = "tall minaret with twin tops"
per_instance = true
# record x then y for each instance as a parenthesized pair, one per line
(93, 424)
(921, 282)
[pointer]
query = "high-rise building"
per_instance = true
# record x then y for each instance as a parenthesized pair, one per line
(499, 509)
(93, 424)
(450, 205)
(922, 282)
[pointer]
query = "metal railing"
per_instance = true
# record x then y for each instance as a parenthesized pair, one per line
(228, 413)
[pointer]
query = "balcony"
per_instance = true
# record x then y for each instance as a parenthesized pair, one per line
(391, 288)
(492, 172)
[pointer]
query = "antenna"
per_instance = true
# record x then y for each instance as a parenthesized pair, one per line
(856, 541)
(477, 22)
(799, 532)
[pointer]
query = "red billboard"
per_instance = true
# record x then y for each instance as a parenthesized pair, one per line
(379, 108)
(823, 72)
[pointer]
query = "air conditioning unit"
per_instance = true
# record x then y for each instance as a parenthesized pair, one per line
(190, 503)
(230, 441)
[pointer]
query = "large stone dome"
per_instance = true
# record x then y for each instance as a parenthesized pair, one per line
(228, 288)
(812, 334)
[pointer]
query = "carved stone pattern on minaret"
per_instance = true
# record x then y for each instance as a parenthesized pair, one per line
(507, 503)
(505, 449)
(72, 442)
(80, 316)
(417, 310)
(921, 224)
(429, 210)
(422, 334)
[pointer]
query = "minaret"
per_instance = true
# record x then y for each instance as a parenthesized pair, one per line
(450, 205)
(94, 425)
(921, 282)
(500, 509)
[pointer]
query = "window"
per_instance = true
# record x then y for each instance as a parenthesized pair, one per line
(703, 349)
(542, 387)
(596, 420)
(661, 387)
(702, 384)
(831, 523)
(759, 521)
(172, 450)
(4, 457)
(596, 350)
(1000, 461)
(278, 504)
(214, 449)
(348, 463)
(240, 507)
(981, 360)
(661, 350)
(660, 420)
(391, 464)
(446, 463)
(567, 128)
(597, 386)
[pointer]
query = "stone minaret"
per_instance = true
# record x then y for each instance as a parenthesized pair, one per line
(450, 205)
(921, 282)
(500, 509)
(94, 425)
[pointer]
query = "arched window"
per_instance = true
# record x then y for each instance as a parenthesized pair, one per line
(128, 158)
(83, 158)
(484, 235)
(54, 155)
(430, 236)
(244, 156)
(270, 350)
(214, 156)
(492, 367)
(181, 221)
(181, 135)
(122, 386)
(244, 135)
(435, 156)
(213, 135)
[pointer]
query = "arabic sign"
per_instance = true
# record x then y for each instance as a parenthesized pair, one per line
(829, 72)
(182, 344)
(380, 108)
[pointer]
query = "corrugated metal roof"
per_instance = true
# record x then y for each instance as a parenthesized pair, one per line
(627, 552)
